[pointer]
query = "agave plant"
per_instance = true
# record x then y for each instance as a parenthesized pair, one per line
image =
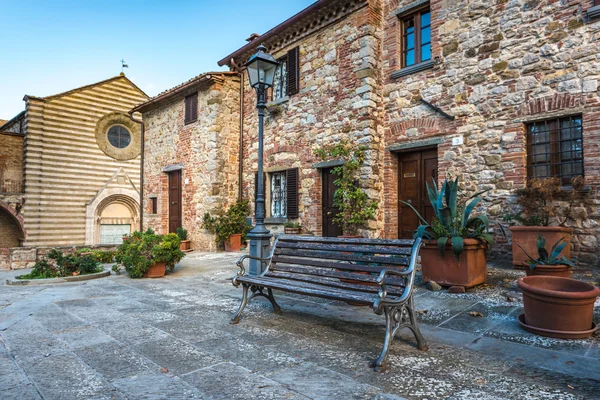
(452, 221)
(554, 258)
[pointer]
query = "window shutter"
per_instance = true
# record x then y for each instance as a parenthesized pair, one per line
(194, 100)
(187, 110)
(191, 108)
(292, 192)
(293, 71)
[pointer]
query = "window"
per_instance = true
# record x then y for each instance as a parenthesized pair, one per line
(286, 78)
(416, 38)
(555, 148)
(191, 108)
(119, 136)
(278, 195)
(153, 205)
(283, 198)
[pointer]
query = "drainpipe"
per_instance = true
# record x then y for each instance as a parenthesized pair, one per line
(142, 126)
(241, 144)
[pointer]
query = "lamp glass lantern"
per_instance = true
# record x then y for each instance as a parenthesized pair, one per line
(261, 68)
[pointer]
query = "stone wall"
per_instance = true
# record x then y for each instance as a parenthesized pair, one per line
(207, 149)
(338, 99)
(9, 230)
(498, 66)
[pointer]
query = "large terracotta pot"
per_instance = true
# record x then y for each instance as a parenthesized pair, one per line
(234, 243)
(446, 271)
(558, 307)
(526, 236)
(185, 245)
(157, 270)
(563, 271)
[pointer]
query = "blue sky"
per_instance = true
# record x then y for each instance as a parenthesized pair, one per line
(50, 46)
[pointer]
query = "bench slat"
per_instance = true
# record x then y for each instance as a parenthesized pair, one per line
(310, 289)
(311, 270)
(336, 255)
(336, 240)
(281, 259)
(326, 281)
(403, 251)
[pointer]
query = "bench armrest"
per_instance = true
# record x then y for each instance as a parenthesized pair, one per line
(242, 271)
(408, 273)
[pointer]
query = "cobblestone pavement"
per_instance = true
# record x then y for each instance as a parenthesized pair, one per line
(170, 338)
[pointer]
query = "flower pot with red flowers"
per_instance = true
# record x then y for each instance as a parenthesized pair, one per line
(455, 243)
(147, 254)
(229, 227)
(552, 263)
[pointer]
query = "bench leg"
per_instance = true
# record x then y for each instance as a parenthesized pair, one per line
(236, 318)
(414, 325)
(381, 364)
(258, 291)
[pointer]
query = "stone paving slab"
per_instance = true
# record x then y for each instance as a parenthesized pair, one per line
(170, 338)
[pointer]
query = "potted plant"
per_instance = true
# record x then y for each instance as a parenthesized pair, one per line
(550, 264)
(292, 228)
(542, 203)
(148, 254)
(230, 227)
(453, 230)
(183, 236)
(355, 207)
(558, 307)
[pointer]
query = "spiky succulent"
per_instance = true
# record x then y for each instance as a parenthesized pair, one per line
(545, 258)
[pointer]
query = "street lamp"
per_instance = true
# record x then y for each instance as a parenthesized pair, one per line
(261, 73)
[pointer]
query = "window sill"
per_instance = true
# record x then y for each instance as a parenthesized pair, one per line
(593, 12)
(412, 69)
(275, 221)
(278, 102)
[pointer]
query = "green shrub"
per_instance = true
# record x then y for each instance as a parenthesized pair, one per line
(56, 265)
(182, 233)
(104, 256)
(228, 223)
(141, 250)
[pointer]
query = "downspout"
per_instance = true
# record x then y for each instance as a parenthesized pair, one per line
(143, 128)
(241, 144)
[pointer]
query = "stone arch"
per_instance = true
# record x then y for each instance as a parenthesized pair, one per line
(123, 199)
(12, 226)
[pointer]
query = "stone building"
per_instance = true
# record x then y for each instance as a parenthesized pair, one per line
(492, 92)
(191, 153)
(70, 168)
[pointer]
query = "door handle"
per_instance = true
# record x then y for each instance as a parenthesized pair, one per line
(329, 212)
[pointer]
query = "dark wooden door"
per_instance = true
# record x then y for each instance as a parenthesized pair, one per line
(414, 170)
(174, 200)
(330, 228)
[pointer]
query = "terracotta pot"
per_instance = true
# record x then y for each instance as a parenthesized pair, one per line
(563, 271)
(157, 270)
(446, 271)
(234, 243)
(526, 236)
(559, 307)
(292, 231)
(185, 245)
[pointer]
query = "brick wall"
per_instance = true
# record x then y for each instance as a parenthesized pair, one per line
(338, 99)
(11, 163)
(208, 150)
(9, 230)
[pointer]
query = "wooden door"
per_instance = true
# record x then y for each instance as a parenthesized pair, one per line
(330, 229)
(174, 200)
(414, 170)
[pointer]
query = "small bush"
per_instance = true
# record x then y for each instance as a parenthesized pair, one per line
(57, 265)
(104, 257)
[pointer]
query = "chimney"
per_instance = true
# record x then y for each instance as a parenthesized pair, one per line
(252, 37)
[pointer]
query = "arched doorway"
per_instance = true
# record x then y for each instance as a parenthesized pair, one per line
(12, 233)
(111, 216)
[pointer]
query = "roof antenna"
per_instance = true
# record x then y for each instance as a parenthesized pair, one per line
(123, 65)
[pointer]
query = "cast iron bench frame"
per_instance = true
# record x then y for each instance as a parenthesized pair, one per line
(338, 269)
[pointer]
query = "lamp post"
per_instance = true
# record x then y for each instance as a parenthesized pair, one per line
(261, 73)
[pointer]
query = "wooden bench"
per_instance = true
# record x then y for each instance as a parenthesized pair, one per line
(371, 272)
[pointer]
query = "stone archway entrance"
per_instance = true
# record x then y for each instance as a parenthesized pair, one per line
(112, 215)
